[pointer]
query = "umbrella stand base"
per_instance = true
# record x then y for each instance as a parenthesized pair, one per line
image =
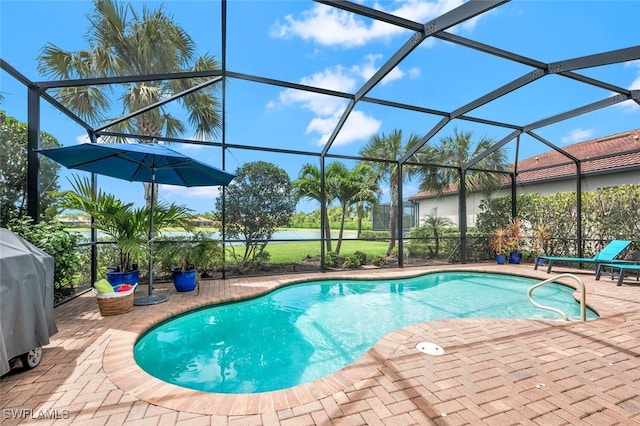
(152, 299)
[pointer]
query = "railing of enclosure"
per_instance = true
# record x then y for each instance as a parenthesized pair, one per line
(416, 252)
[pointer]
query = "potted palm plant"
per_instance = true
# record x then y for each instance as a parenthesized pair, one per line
(126, 225)
(499, 244)
(189, 257)
(515, 240)
(541, 244)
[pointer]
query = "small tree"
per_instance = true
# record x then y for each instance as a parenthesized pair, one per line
(256, 202)
(349, 187)
(309, 186)
(13, 171)
(434, 223)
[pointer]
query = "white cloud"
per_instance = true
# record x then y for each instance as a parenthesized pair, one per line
(577, 135)
(326, 26)
(369, 68)
(329, 26)
(422, 11)
(358, 126)
(329, 109)
(414, 72)
(336, 78)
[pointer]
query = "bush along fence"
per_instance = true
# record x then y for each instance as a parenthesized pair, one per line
(549, 222)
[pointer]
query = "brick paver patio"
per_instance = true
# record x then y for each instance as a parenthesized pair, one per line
(493, 371)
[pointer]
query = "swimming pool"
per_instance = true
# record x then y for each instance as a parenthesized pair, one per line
(303, 332)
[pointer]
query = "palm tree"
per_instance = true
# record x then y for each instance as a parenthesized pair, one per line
(349, 187)
(457, 150)
(390, 147)
(309, 186)
(368, 196)
(434, 223)
(125, 43)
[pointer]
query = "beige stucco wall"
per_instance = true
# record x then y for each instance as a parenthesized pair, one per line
(448, 204)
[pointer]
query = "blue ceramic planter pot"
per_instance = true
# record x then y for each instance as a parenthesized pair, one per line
(515, 257)
(115, 278)
(184, 281)
(501, 258)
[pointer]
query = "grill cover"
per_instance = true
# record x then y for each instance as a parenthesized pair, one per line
(26, 297)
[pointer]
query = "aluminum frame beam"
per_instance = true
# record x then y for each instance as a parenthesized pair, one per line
(101, 81)
(160, 103)
(621, 55)
(449, 19)
(576, 112)
(485, 48)
(502, 142)
(553, 146)
(599, 59)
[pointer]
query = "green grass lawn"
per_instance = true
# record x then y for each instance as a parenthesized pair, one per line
(294, 252)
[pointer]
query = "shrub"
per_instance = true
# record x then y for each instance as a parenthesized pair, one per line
(193, 252)
(607, 214)
(379, 261)
(421, 250)
(374, 235)
(351, 262)
(55, 241)
(362, 256)
(331, 259)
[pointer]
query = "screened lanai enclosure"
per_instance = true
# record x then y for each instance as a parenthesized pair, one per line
(317, 83)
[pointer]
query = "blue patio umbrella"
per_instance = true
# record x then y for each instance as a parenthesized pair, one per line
(151, 163)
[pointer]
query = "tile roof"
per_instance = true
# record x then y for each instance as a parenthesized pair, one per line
(612, 152)
(609, 152)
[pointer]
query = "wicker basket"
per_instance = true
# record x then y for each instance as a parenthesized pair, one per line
(116, 303)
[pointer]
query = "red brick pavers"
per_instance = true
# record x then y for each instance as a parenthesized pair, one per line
(493, 371)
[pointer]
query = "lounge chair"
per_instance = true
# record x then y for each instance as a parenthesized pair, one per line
(607, 255)
(621, 267)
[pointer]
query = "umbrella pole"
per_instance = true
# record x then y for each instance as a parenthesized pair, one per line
(153, 204)
(151, 299)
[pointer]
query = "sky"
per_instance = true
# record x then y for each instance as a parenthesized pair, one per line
(309, 43)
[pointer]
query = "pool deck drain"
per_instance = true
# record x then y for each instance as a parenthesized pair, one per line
(430, 348)
(494, 371)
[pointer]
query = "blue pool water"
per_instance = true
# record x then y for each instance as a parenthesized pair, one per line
(300, 333)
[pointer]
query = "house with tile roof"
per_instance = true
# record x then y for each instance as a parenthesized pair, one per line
(605, 162)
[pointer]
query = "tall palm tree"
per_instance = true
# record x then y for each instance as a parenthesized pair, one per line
(309, 186)
(122, 42)
(369, 194)
(457, 150)
(349, 187)
(390, 147)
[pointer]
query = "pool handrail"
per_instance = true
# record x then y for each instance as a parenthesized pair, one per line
(583, 303)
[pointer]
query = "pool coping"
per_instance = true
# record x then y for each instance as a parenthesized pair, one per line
(121, 368)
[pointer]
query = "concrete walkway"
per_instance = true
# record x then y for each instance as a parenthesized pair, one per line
(493, 371)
